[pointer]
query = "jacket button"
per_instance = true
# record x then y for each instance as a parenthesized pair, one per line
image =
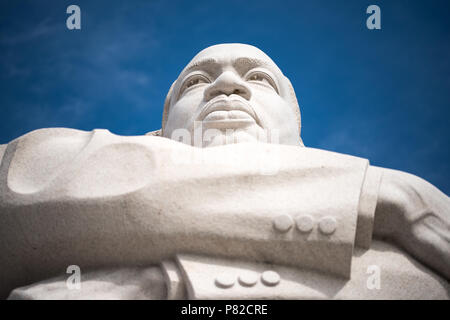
(327, 225)
(305, 223)
(270, 278)
(248, 279)
(225, 281)
(283, 223)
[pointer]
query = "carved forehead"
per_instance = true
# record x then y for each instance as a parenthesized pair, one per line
(233, 53)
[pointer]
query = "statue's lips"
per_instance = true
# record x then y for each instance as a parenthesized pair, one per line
(226, 112)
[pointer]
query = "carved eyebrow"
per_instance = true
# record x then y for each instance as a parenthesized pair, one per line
(206, 63)
(245, 64)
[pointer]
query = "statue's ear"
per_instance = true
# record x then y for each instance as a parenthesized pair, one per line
(160, 132)
(294, 102)
(166, 108)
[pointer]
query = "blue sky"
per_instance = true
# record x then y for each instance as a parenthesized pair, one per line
(382, 95)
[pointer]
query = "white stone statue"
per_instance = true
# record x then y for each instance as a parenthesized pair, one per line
(259, 215)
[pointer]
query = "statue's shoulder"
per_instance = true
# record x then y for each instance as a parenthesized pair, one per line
(61, 144)
(30, 162)
(324, 158)
(42, 143)
(33, 158)
(64, 138)
(47, 134)
(330, 154)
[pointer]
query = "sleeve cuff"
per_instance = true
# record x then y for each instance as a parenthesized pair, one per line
(2, 151)
(366, 208)
(174, 280)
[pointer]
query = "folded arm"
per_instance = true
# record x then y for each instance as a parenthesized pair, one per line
(97, 199)
(416, 216)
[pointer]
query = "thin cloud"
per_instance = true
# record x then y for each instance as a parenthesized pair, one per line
(42, 29)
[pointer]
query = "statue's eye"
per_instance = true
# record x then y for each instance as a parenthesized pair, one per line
(262, 78)
(258, 77)
(194, 80)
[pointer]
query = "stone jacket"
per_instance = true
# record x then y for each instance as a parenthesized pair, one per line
(173, 221)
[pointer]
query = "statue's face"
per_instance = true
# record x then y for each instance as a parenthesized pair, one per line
(236, 93)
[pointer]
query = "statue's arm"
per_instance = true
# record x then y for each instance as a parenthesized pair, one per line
(415, 215)
(97, 199)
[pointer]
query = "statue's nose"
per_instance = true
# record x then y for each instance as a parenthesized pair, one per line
(228, 83)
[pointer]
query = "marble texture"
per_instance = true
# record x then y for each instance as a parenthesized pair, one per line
(218, 213)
